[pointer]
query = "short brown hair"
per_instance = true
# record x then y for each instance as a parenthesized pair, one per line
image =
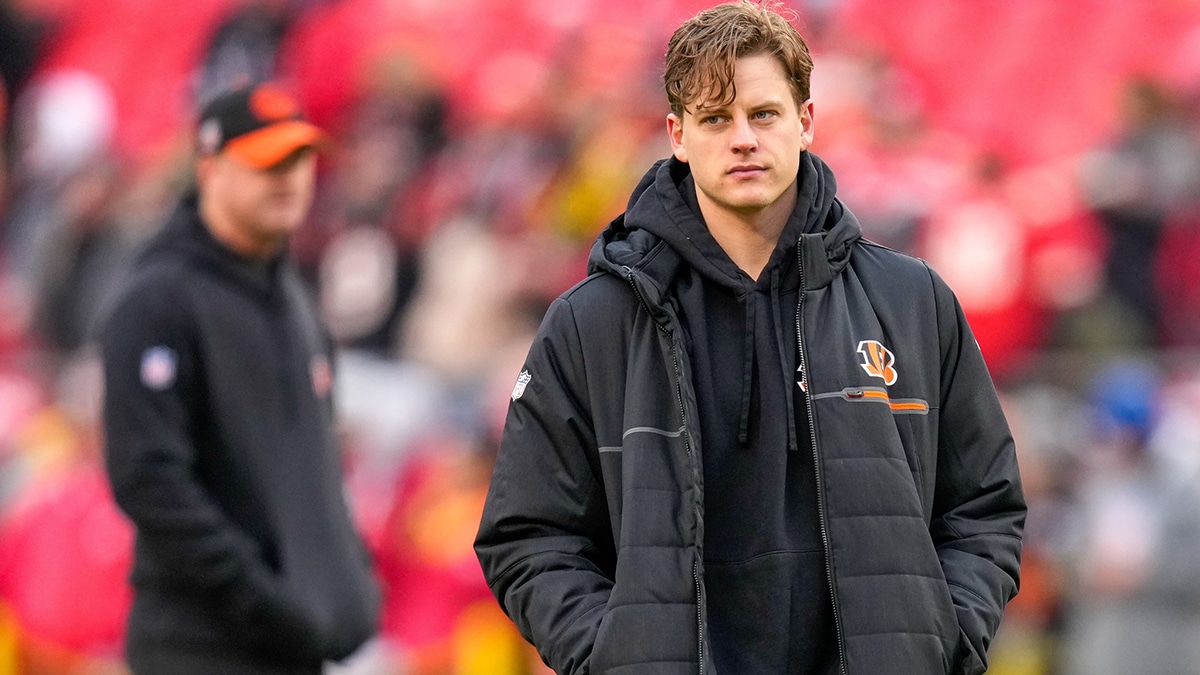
(702, 52)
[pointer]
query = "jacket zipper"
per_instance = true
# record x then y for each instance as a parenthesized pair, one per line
(687, 445)
(279, 315)
(812, 434)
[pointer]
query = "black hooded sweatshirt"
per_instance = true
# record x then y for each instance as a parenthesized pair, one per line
(221, 448)
(768, 597)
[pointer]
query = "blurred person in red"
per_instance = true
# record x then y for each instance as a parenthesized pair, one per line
(1145, 176)
(439, 614)
(66, 612)
(1176, 274)
(751, 441)
(1021, 253)
(366, 239)
(221, 444)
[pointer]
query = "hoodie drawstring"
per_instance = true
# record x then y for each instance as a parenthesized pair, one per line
(748, 363)
(747, 370)
(781, 345)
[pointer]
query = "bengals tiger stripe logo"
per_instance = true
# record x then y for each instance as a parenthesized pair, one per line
(878, 361)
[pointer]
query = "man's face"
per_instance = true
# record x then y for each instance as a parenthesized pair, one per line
(265, 205)
(744, 156)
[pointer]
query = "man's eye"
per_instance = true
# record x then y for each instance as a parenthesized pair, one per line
(710, 119)
(764, 114)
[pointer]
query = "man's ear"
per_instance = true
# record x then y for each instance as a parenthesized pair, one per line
(675, 131)
(807, 124)
(203, 168)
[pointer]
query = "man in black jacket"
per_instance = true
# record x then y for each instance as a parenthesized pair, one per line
(752, 442)
(220, 444)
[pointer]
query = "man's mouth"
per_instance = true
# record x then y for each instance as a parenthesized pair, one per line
(746, 170)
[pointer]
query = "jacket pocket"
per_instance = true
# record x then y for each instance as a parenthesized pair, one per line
(649, 637)
(918, 435)
(952, 636)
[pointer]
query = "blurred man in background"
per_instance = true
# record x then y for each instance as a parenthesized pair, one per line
(752, 442)
(220, 434)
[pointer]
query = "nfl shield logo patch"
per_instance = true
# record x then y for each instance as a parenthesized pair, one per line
(158, 368)
(522, 381)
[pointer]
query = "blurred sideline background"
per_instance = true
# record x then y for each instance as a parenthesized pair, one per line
(1043, 155)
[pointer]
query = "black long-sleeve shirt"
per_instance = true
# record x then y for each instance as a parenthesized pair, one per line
(220, 447)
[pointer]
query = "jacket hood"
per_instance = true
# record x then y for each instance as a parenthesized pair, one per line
(186, 236)
(663, 210)
(662, 231)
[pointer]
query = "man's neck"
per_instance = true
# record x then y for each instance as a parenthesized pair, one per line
(748, 239)
(232, 237)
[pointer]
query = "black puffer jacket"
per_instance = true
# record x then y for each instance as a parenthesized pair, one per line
(593, 530)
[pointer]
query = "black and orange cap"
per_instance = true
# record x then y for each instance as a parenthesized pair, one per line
(258, 125)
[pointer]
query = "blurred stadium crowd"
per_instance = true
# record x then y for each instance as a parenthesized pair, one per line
(1043, 155)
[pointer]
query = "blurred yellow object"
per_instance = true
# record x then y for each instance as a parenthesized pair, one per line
(8, 641)
(487, 643)
(444, 520)
(1020, 652)
(50, 442)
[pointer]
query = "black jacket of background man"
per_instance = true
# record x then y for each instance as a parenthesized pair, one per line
(594, 536)
(221, 448)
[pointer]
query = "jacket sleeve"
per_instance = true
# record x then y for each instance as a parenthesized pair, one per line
(979, 509)
(152, 404)
(545, 542)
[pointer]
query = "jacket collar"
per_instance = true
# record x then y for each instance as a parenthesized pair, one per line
(185, 234)
(659, 216)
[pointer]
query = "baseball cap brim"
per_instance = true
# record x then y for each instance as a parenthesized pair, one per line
(270, 145)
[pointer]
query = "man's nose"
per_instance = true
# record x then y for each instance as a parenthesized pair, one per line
(743, 138)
